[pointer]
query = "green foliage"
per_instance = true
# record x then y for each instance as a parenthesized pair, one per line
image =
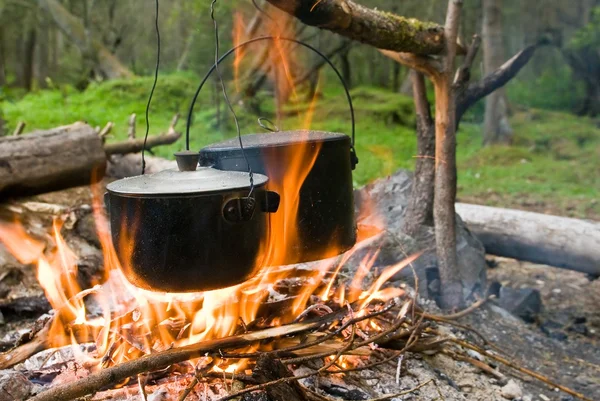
(554, 159)
(588, 37)
(554, 89)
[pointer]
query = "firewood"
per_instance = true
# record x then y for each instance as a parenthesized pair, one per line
(19, 129)
(161, 360)
(64, 157)
(50, 160)
(136, 145)
(539, 238)
(268, 369)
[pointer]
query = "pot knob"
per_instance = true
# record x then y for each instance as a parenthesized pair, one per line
(187, 160)
(239, 209)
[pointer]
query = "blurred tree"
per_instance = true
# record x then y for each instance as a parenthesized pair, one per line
(583, 55)
(103, 62)
(496, 128)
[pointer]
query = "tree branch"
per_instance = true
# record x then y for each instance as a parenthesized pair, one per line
(380, 29)
(423, 64)
(497, 79)
(420, 206)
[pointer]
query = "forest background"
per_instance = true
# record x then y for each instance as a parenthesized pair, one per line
(63, 61)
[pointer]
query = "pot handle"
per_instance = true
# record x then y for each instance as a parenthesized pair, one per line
(353, 157)
(269, 202)
(237, 210)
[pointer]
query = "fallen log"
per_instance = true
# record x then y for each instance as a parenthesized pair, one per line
(538, 238)
(136, 145)
(43, 161)
(63, 157)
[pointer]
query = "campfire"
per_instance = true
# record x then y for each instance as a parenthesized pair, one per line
(332, 318)
(327, 313)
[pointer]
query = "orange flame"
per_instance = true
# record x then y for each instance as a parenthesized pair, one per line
(127, 322)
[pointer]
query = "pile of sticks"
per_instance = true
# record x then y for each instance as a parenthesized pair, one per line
(321, 336)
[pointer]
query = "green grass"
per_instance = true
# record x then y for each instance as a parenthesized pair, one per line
(552, 164)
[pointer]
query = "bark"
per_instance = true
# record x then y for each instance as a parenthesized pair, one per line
(535, 237)
(50, 160)
(105, 63)
(497, 79)
(268, 369)
(2, 60)
(379, 29)
(445, 167)
(585, 64)
(136, 145)
(27, 54)
(496, 126)
(42, 54)
(160, 360)
(345, 66)
(420, 207)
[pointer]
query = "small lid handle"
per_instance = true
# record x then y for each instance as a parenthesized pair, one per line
(187, 160)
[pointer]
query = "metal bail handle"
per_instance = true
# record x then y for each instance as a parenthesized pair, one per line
(353, 156)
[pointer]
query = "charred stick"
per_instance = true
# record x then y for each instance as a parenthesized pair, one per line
(476, 305)
(329, 336)
(478, 364)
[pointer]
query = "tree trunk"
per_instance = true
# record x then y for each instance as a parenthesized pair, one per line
(105, 63)
(345, 66)
(26, 52)
(185, 55)
(535, 237)
(50, 160)
(2, 59)
(496, 126)
(445, 167)
(42, 54)
(420, 206)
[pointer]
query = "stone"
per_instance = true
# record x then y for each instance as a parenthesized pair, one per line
(511, 390)
(525, 303)
(14, 386)
(384, 202)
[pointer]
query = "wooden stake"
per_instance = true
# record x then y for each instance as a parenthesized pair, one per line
(19, 129)
(131, 131)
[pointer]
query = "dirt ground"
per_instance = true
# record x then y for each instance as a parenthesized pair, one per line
(564, 341)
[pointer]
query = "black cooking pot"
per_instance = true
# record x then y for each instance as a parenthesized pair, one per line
(189, 229)
(325, 220)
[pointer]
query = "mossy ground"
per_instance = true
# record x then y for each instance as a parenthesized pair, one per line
(552, 165)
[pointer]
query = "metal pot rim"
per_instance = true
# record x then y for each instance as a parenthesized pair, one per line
(173, 183)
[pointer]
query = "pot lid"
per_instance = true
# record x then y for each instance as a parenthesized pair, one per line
(276, 139)
(204, 180)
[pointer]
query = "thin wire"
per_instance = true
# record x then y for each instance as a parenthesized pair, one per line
(226, 97)
(153, 88)
(259, 39)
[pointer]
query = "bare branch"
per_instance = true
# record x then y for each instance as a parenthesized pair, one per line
(463, 74)
(379, 29)
(423, 64)
(420, 206)
(497, 79)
